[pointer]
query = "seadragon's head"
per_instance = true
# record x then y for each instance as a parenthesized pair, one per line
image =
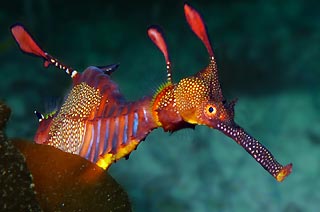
(198, 100)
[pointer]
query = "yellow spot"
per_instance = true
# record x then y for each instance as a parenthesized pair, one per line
(107, 159)
(284, 172)
(123, 151)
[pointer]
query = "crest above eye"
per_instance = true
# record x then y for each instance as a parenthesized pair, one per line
(155, 34)
(210, 73)
(198, 27)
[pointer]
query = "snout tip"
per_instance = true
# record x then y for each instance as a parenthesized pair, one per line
(284, 172)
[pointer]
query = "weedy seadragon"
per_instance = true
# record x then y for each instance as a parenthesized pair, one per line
(96, 122)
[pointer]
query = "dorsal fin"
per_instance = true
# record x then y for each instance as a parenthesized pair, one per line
(28, 45)
(109, 69)
(155, 34)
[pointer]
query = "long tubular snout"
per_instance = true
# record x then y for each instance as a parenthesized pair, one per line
(260, 153)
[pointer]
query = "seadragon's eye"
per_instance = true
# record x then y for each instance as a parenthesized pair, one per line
(210, 110)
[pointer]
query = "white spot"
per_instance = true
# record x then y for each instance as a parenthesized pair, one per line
(145, 114)
(74, 73)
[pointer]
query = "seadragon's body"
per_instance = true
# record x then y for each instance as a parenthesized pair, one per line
(96, 122)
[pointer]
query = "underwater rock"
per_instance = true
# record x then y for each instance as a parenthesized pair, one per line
(58, 181)
(4, 116)
(16, 184)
